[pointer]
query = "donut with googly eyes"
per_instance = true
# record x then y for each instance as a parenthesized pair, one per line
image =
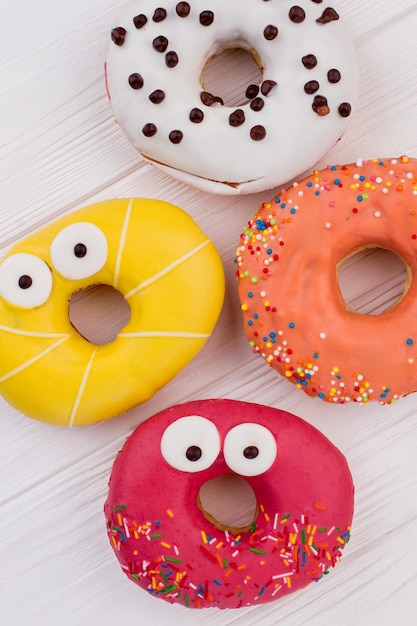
(177, 547)
(288, 261)
(155, 256)
(282, 127)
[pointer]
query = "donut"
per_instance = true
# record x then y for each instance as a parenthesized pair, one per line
(168, 541)
(282, 127)
(288, 265)
(169, 274)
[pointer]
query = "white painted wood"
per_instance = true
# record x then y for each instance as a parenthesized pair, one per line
(60, 149)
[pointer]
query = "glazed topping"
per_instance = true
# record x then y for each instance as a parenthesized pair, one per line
(237, 118)
(118, 35)
(206, 18)
(270, 32)
(183, 9)
(136, 81)
(297, 14)
(329, 15)
(140, 20)
(309, 61)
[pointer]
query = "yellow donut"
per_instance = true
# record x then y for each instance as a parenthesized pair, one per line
(157, 257)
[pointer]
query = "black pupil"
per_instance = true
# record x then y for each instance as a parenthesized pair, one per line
(251, 452)
(193, 453)
(25, 282)
(80, 250)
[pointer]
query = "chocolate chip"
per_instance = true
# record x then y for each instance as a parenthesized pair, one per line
(175, 136)
(208, 99)
(270, 32)
(257, 133)
(311, 87)
(297, 14)
(149, 130)
(257, 104)
(194, 453)
(136, 81)
(160, 43)
(252, 91)
(80, 250)
(206, 18)
(159, 15)
(25, 281)
(140, 20)
(320, 106)
(329, 15)
(171, 59)
(333, 76)
(317, 1)
(267, 86)
(309, 61)
(183, 9)
(157, 96)
(237, 118)
(118, 35)
(251, 452)
(345, 109)
(196, 116)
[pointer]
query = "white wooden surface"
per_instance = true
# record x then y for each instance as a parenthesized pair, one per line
(60, 149)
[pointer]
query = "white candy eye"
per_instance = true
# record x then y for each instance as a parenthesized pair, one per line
(191, 444)
(79, 251)
(25, 280)
(250, 449)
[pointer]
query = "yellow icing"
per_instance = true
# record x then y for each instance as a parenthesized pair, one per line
(172, 278)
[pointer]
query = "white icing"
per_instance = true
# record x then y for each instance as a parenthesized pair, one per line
(213, 155)
(25, 281)
(186, 432)
(249, 435)
(94, 255)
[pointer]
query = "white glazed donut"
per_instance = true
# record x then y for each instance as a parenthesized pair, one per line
(284, 125)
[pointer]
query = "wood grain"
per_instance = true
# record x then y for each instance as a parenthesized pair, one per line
(60, 149)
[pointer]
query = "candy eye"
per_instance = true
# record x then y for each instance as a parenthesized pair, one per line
(79, 251)
(25, 280)
(191, 444)
(250, 449)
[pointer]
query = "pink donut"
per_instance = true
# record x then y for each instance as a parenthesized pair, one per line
(174, 548)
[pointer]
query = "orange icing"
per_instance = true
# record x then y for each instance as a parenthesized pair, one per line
(294, 314)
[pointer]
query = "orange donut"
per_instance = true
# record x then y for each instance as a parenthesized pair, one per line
(294, 313)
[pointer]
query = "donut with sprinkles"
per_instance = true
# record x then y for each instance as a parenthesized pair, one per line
(288, 263)
(175, 543)
(282, 126)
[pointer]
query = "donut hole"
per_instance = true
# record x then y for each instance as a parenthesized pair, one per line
(98, 313)
(373, 280)
(228, 73)
(228, 502)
